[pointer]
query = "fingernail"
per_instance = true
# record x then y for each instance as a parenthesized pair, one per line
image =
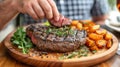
(57, 19)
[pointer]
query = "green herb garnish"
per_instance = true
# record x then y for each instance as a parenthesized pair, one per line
(83, 51)
(63, 31)
(21, 40)
(94, 51)
(73, 54)
(47, 23)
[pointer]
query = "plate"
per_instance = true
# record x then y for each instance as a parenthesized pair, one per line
(75, 62)
(116, 28)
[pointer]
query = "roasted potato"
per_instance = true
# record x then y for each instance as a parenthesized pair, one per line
(108, 36)
(73, 27)
(86, 28)
(79, 26)
(74, 22)
(101, 43)
(90, 42)
(109, 44)
(101, 31)
(94, 28)
(95, 36)
(94, 48)
(88, 23)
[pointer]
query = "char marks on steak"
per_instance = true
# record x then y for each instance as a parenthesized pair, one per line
(52, 42)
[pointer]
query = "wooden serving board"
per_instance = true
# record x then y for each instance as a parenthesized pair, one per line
(76, 62)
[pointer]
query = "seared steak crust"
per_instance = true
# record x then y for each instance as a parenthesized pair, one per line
(52, 42)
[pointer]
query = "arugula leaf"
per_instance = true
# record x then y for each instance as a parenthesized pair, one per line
(21, 40)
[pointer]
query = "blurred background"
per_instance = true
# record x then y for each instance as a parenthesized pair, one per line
(114, 16)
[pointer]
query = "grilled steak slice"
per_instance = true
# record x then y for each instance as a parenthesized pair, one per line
(52, 42)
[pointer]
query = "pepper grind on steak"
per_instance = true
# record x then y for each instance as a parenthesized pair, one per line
(46, 39)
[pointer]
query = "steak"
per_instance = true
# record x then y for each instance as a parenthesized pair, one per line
(47, 40)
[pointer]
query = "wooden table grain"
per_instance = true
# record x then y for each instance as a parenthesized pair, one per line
(7, 61)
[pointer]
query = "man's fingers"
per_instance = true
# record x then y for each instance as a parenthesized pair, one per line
(30, 11)
(47, 8)
(38, 10)
(54, 9)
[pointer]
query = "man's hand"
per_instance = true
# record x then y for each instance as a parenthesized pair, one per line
(37, 9)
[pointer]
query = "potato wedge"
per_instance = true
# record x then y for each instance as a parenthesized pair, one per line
(86, 28)
(109, 44)
(94, 48)
(95, 36)
(74, 22)
(101, 43)
(108, 36)
(94, 28)
(79, 26)
(90, 42)
(101, 31)
(88, 23)
(73, 27)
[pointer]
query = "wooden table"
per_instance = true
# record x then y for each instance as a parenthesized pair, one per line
(7, 61)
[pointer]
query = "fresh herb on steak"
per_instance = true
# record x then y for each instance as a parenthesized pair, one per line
(63, 31)
(47, 23)
(83, 51)
(21, 40)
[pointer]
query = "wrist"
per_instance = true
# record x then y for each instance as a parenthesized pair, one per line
(6, 12)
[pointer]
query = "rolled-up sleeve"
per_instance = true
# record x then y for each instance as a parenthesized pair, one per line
(100, 7)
